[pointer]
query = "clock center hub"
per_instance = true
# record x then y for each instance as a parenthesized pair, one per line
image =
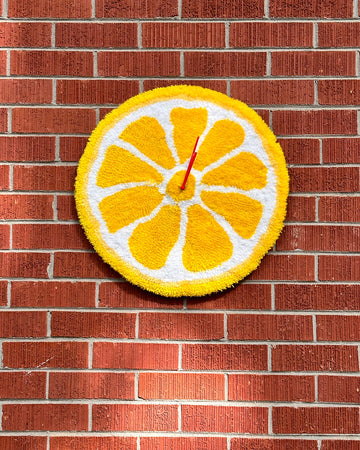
(173, 189)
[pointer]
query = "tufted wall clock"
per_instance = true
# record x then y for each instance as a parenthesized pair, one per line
(182, 190)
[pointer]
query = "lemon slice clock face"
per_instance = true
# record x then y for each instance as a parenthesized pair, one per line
(173, 241)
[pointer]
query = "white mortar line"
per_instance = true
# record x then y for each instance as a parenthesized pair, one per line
(90, 354)
(182, 64)
(8, 294)
(227, 34)
(90, 417)
(273, 297)
(93, 9)
(53, 35)
(48, 324)
(1, 360)
(356, 9)
(139, 35)
(315, 35)
(270, 429)
(47, 385)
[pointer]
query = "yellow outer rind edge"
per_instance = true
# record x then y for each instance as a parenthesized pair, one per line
(197, 287)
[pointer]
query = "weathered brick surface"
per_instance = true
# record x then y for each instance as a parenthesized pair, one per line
(89, 361)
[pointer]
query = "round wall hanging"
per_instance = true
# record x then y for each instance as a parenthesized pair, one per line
(182, 190)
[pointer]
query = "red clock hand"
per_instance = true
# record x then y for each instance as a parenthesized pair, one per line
(191, 162)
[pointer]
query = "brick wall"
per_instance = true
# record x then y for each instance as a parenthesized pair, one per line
(88, 361)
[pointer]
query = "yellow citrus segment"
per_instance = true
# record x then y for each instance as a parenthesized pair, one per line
(242, 212)
(188, 125)
(121, 166)
(152, 241)
(148, 136)
(173, 188)
(223, 137)
(207, 245)
(124, 207)
(244, 171)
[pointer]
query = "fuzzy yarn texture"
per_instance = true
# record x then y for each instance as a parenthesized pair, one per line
(188, 242)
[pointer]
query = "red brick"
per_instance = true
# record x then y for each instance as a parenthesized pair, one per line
(23, 442)
(183, 443)
(308, 8)
(320, 238)
(48, 8)
(137, 9)
(44, 178)
(49, 417)
(339, 34)
(324, 179)
(280, 388)
(27, 148)
(139, 64)
(82, 265)
(130, 417)
(315, 122)
(66, 209)
(339, 209)
(97, 324)
(274, 92)
(263, 34)
(22, 385)
(95, 35)
(338, 328)
(338, 389)
(189, 386)
(287, 420)
(301, 209)
(264, 114)
(341, 150)
(225, 64)
(95, 91)
(88, 443)
(181, 326)
(25, 91)
(339, 92)
(4, 177)
(224, 357)
(24, 324)
(285, 267)
(49, 236)
(3, 293)
(301, 151)
(29, 265)
(3, 120)
(343, 444)
(104, 112)
(3, 62)
(314, 358)
(272, 444)
(339, 267)
(72, 147)
(262, 327)
(26, 207)
(108, 355)
(51, 63)
(222, 9)
(126, 295)
(4, 236)
(45, 354)
(242, 296)
(47, 294)
(317, 297)
(53, 120)
(92, 385)
(183, 35)
(25, 34)
(216, 85)
(224, 419)
(318, 63)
